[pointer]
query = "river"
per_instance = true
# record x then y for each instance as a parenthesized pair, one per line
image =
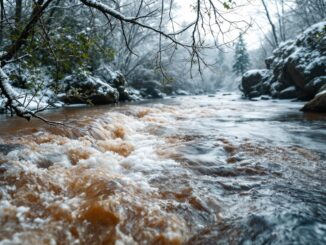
(185, 170)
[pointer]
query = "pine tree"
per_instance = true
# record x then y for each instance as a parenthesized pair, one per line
(241, 57)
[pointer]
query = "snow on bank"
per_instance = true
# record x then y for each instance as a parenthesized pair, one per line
(297, 68)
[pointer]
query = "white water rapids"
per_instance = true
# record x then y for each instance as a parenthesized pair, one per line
(188, 170)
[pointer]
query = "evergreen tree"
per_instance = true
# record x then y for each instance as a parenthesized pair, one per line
(241, 57)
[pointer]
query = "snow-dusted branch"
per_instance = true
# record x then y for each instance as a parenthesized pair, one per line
(36, 14)
(13, 102)
(105, 9)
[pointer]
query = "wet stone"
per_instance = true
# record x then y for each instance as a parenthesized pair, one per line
(6, 148)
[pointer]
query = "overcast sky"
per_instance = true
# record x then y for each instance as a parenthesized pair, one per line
(247, 10)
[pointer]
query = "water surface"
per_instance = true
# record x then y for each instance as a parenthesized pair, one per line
(188, 170)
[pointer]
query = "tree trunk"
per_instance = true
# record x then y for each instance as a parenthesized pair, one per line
(38, 10)
(270, 22)
(18, 13)
(2, 17)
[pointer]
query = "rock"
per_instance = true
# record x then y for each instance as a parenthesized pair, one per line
(149, 88)
(297, 68)
(146, 84)
(124, 94)
(322, 88)
(119, 82)
(116, 80)
(151, 93)
(295, 73)
(254, 94)
(181, 92)
(199, 92)
(252, 81)
(315, 85)
(269, 62)
(266, 87)
(276, 87)
(154, 93)
(288, 93)
(318, 104)
(6, 148)
(91, 90)
(168, 89)
(131, 94)
(265, 98)
(252, 78)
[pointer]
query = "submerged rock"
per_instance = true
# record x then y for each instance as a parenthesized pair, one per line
(6, 148)
(317, 104)
(181, 92)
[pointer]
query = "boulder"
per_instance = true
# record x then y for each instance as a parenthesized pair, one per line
(317, 104)
(252, 81)
(149, 88)
(288, 93)
(322, 89)
(168, 89)
(265, 98)
(91, 90)
(297, 68)
(315, 85)
(133, 94)
(181, 92)
(302, 67)
(129, 94)
(118, 81)
(254, 94)
(269, 62)
(107, 75)
(6, 148)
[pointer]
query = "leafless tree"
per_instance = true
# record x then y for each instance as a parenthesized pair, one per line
(209, 21)
(269, 18)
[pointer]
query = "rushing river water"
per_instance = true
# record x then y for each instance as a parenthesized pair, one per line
(189, 170)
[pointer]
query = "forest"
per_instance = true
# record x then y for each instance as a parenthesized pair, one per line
(86, 52)
(162, 122)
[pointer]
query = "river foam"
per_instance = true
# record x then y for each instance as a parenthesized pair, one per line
(188, 171)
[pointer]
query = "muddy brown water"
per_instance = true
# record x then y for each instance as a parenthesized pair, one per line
(188, 170)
